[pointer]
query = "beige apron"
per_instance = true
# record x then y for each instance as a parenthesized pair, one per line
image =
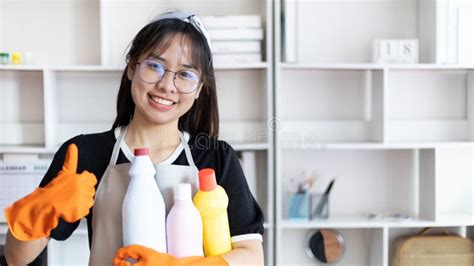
(107, 210)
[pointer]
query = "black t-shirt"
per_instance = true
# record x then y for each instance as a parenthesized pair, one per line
(95, 150)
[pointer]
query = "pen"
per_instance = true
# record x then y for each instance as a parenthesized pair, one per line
(324, 199)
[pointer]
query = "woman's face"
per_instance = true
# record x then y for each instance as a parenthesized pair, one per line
(161, 102)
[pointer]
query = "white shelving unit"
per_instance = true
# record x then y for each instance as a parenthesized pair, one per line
(398, 138)
(79, 48)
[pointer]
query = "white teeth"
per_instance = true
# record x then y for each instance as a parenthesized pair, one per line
(161, 101)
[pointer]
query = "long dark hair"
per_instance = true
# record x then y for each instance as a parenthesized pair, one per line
(203, 117)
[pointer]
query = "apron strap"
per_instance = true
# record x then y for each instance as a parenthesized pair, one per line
(189, 156)
(116, 150)
(123, 131)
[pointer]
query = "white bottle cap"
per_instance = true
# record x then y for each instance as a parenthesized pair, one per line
(182, 191)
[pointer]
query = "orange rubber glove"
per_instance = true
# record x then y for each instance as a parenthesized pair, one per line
(69, 196)
(149, 257)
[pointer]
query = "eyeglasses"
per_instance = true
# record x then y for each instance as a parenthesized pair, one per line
(152, 72)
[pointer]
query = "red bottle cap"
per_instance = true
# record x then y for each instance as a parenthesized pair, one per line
(141, 151)
(207, 179)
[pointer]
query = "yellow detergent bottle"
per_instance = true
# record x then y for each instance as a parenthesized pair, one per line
(211, 201)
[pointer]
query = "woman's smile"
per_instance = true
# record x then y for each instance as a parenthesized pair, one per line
(160, 103)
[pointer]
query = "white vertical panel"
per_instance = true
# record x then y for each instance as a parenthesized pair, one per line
(416, 183)
(445, 31)
(427, 185)
(278, 243)
(455, 181)
(440, 28)
(378, 114)
(248, 162)
(470, 104)
(270, 113)
(50, 110)
(460, 31)
(105, 53)
(376, 247)
(386, 245)
(427, 31)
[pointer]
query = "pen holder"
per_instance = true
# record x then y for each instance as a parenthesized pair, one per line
(319, 206)
(307, 206)
(298, 206)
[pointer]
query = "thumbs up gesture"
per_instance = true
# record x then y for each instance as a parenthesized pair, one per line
(69, 195)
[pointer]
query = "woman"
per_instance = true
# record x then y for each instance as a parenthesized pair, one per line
(167, 102)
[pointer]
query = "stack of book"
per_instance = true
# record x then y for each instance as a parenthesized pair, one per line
(445, 32)
(235, 39)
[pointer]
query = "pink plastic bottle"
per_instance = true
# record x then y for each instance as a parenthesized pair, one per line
(184, 225)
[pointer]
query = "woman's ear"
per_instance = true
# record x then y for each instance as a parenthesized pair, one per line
(198, 91)
(130, 72)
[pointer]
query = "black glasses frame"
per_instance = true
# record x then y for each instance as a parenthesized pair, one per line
(174, 78)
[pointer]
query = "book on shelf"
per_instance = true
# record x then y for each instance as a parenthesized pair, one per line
(290, 35)
(447, 25)
(235, 39)
(223, 47)
(461, 27)
(243, 21)
(235, 34)
(237, 58)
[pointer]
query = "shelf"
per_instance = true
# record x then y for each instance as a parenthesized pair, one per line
(363, 222)
(249, 146)
(371, 66)
(100, 68)
(257, 65)
(42, 150)
(380, 146)
(397, 137)
(85, 68)
(428, 130)
(428, 67)
(71, 68)
(21, 68)
(260, 65)
(264, 146)
(80, 230)
(26, 149)
(332, 66)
